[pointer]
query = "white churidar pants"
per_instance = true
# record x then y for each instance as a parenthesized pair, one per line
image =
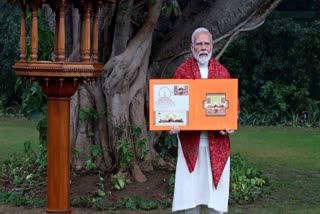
(196, 188)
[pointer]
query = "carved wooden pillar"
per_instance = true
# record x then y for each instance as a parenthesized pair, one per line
(95, 35)
(61, 33)
(85, 33)
(58, 172)
(56, 33)
(58, 91)
(59, 80)
(34, 33)
(23, 33)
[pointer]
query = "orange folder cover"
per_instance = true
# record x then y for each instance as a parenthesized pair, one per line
(193, 104)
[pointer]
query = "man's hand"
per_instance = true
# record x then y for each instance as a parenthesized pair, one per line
(174, 130)
(226, 131)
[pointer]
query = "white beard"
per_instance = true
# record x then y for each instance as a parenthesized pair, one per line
(202, 60)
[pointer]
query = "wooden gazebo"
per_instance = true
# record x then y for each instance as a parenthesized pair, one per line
(59, 80)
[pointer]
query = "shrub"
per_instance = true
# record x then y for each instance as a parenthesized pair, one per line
(278, 74)
(247, 183)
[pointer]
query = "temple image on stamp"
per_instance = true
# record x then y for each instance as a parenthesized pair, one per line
(171, 104)
(215, 104)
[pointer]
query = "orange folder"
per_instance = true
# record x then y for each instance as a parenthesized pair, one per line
(193, 104)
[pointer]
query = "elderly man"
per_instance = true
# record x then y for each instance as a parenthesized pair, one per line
(203, 165)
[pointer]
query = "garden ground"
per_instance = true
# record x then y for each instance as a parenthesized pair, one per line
(154, 189)
(290, 157)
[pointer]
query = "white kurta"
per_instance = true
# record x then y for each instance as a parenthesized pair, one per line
(196, 188)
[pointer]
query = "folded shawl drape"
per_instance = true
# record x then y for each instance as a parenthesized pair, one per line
(219, 145)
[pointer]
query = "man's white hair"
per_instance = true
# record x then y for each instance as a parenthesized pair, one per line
(198, 30)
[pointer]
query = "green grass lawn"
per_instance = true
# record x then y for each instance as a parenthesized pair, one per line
(13, 133)
(290, 157)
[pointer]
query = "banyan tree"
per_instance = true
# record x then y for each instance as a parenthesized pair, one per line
(135, 40)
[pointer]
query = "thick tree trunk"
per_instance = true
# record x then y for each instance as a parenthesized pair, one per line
(124, 85)
(82, 139)
(118, 100)
(224, 19)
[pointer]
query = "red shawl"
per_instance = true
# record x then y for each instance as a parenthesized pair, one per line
(219, 145)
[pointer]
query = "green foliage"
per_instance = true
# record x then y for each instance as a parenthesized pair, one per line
(167, 145)
(84, 202)
(129, 203)
(42, 128)
(96, 201)
(99, 203)
(280, 93)
(171, 184)
(88, 115)
(278, 73)
(1, 108)
(10, 93)
(17, 198)
(76, 153)
(118, 182)
(9, 52)
(23, 178)
(34, 105)
(127, 154)
(140, 144)
(95, 150)
(311, 116)
(171, 8)
(166, 203)
(95, 153)
(101, 191)
(137, 203)
(247, 183)
(90, 165)
(46, 37)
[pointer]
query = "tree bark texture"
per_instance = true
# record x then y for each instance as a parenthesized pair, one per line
(224, 19)
(138, 42)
